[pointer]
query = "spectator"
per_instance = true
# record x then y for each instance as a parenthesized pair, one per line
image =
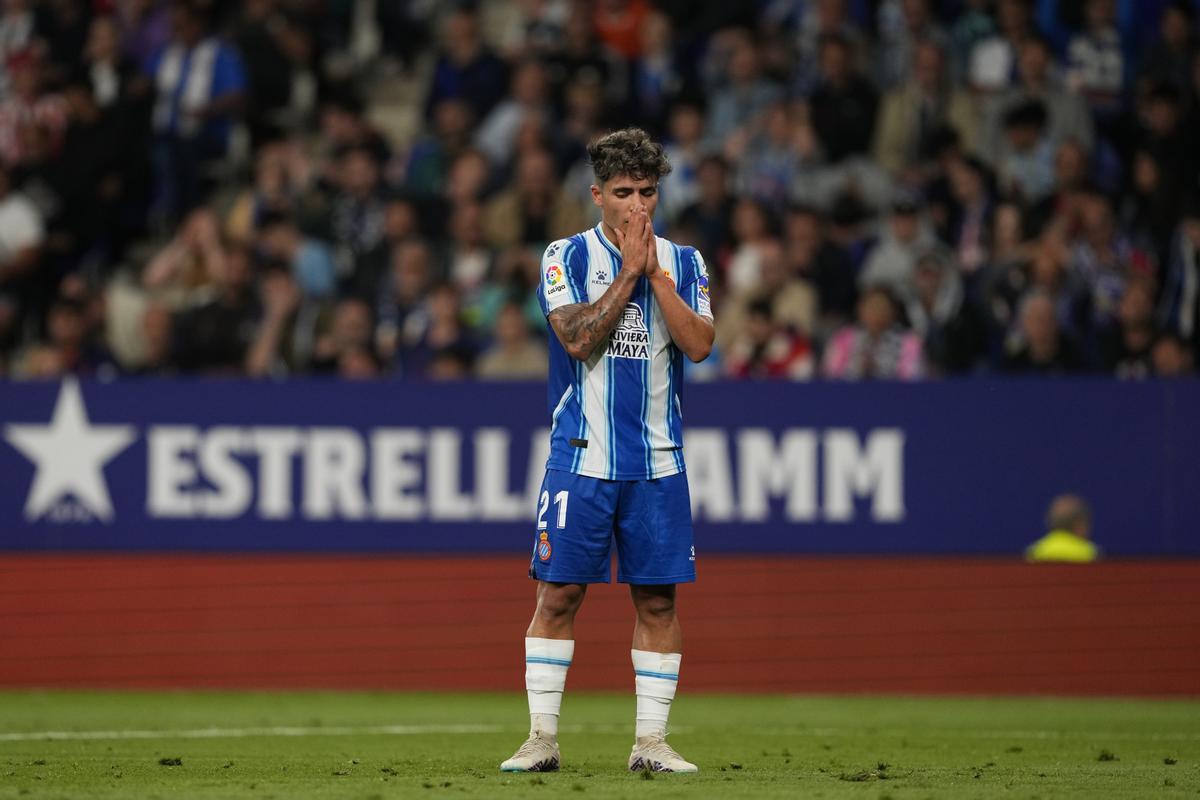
(876, 347)
(145, 28)
(619, 25)
(191, 262)
(71, 344)
(820, 20)
(279, 299)
(1171, 143)
(17, 33)
(582, 59)
(437, 332)
(1125, 344)
(903, 26)
(353, 220)
(1095, 62)
(656, 76)
(533, 210)
(1169, 58)
(156, 334)
(1043, 348)
(735, 105)
(274, 49)
(1067, 115)
(681, 187)
(516, 273)
(792, 302)
(1069, 520)
(535, 28)
(1025, 160)
(349, 334)
(953, 330)
(710, 215)
(465, 67)
(308, 260)
(843, 104)
(431, 156)
(115, 78)
(891, 261)
(282, 175)
(22, 236)
(753, 229)
(992, 60)
(216, 335)
(766, 348)
(516, 355)
(410, 275)
(778, 157)
(344, 127)
(969, 231)
(201, 87)
(469, 178)
(1104, 258)
(527, 100)
(1171, 358)
(29, 111)
(915, 110)
(1179, 308)
(814, 258)
(469, 260)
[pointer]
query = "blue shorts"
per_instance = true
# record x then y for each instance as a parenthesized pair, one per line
(578, 517)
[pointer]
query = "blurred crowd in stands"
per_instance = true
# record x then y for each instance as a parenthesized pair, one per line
(881, 188)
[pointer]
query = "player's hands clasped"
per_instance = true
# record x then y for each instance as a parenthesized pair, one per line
(635, 241)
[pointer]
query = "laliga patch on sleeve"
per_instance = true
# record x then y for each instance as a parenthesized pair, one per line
(705, 304)
(555, 280)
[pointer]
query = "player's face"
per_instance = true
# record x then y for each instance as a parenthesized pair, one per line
(621, 196)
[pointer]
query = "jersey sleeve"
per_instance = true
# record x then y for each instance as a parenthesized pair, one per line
(562, 276)
(693, 283)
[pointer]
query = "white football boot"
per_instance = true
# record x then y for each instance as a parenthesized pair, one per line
(653, 753)
(539, 753)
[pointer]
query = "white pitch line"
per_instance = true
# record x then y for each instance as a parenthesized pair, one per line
(418, 730)
(239, 733)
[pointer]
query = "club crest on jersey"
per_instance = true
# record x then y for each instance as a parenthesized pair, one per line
(630, 339)
(543, 546)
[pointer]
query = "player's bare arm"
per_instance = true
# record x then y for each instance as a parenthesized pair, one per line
(582, 327)
(692, 333)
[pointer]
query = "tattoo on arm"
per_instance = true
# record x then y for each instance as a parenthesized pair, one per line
(581, 327)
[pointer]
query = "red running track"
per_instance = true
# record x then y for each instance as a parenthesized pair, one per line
(750, 624)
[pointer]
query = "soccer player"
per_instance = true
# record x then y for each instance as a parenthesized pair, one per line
(625, 307)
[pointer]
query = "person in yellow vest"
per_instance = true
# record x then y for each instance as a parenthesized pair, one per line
(1069, 540)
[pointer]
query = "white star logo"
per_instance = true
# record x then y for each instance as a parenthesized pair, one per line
(70, 456)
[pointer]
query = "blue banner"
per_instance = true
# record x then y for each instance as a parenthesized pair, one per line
(307, 466)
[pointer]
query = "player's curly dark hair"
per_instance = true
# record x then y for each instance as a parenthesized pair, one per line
(628, 152)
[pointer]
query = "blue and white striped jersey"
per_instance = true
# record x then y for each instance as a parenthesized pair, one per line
(618, 415)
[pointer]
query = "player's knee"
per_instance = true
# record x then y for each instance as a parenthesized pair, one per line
(656, 609)
(557, 603)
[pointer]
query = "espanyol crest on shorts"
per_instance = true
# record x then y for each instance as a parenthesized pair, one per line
(543, 546)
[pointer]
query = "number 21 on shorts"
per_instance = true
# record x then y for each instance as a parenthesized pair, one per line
(560, 501)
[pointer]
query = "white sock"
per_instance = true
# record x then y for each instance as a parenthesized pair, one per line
(656, 675)
(546, 662)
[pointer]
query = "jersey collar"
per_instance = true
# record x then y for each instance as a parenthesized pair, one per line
(604, 240)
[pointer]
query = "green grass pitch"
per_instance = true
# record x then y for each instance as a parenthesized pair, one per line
(385, 745)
